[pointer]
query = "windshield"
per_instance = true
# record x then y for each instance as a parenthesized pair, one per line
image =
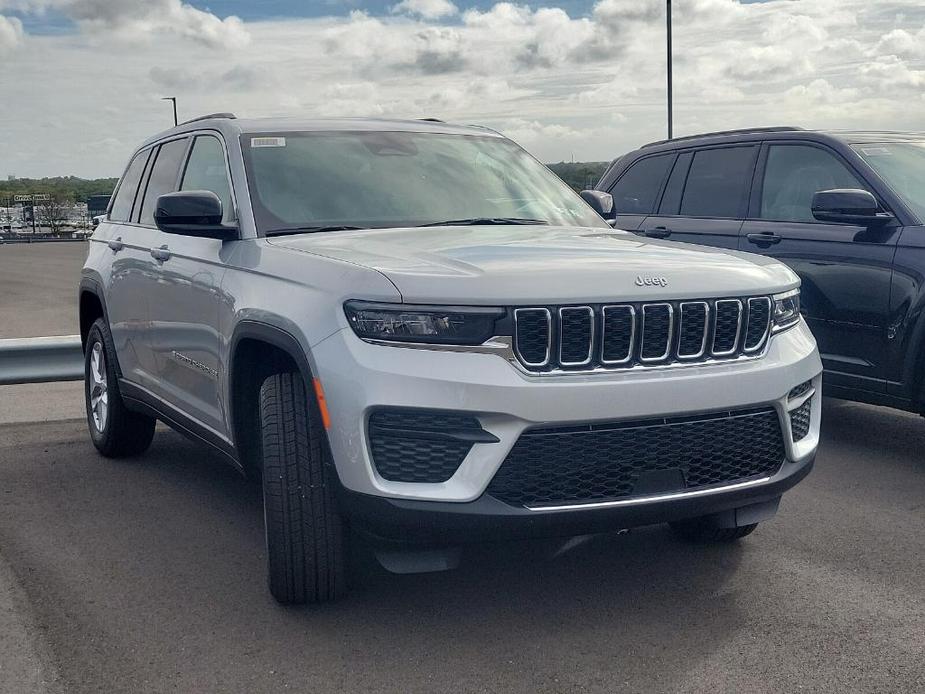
(330, 180)
(902, 166)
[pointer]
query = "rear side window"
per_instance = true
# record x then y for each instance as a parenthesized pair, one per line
(206, 170)
(163, 177)
(793, 174)
(718, 183)
(638, 187)
(121, 209)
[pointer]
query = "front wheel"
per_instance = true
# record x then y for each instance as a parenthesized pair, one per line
(115, 431)
(304, 531)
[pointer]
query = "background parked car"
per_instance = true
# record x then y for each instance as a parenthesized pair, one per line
(860, 251)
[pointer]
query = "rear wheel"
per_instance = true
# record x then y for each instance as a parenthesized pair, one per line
(699, 530)
(304, 531)
(115, 431)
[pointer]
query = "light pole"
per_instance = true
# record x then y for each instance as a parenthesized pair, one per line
(670, 128)
(174, 100)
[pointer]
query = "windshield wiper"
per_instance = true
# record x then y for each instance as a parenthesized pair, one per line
(485, 221)
(308, 230)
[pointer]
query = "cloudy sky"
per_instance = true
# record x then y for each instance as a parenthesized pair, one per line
(80, 80)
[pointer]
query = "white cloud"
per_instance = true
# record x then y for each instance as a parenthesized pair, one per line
(902, 43)
(590, 86)
(137, 20)
(427, 9)
(11, 34)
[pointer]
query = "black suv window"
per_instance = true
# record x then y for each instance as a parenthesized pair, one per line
(792, 175)
(718, 183)
(121, 209)
(638, 187)
(206, 170)
(163, 177)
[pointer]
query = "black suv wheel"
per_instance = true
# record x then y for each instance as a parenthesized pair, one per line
(304, 531)
(115, 431)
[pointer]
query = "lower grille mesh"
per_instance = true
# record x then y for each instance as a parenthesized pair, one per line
(800, 419)
(411, 446)
(603, 462)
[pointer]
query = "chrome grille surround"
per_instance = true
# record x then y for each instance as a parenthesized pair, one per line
(518, 322)
(687, 306)
(755, 305)
(564, 314)
(646, 308)
(630, 311)
(608, 351)
(719, 307)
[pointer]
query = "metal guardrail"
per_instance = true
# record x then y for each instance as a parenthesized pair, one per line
(41, 359)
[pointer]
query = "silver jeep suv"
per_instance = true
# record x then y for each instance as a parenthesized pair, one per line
(416, 329)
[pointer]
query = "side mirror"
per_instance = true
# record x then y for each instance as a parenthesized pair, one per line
(848, 206)
(192, 213)
(601, 202)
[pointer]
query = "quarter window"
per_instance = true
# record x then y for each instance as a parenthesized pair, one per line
(718, 183)
(793, 174)
(163, 177)
(206, 170)
(637, 189)
(121, 210)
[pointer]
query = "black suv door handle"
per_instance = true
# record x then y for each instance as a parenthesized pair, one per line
(161, 254)
(765, 238)
(116, 244)
(658, 232)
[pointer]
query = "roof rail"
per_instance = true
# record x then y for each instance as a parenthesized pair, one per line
(210, 116)
(718, 133)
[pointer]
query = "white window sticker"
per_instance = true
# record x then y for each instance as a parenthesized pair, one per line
(876, 151)
(268, 142)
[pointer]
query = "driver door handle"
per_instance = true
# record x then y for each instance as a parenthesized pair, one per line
(765, 238)
(116, 244)
(659, 232)
(160, 254)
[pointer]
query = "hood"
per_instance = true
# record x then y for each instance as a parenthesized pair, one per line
(544, 264)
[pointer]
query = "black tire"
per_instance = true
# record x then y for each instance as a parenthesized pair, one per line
(115, 431)
(304, 531)
(696, 530)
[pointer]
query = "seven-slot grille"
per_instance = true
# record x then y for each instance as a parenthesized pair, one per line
(622, 335)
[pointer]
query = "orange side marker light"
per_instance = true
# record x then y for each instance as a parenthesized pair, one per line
(322, 404)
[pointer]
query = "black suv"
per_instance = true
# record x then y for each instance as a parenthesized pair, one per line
(846, 210)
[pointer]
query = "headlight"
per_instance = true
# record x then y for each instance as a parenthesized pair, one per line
(786, 310)
(449, 325)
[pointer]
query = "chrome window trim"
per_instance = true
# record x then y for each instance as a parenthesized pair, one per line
(545, 362)
(735, 344)
(767, 327)
(706, 328)
(632, 341)
(642, 331)
(590, 312)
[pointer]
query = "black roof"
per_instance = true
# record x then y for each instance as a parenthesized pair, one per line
(784, 132)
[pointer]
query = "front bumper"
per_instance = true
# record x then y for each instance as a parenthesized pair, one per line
(359, 377)
(434, 522)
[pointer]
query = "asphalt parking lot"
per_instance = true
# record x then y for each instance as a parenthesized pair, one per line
(38, 288)
(148, 576)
